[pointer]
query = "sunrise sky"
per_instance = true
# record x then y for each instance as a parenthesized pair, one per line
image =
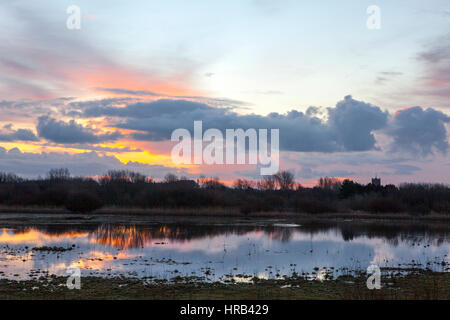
(350, 102)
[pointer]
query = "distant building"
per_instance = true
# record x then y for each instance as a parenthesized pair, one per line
(376, 182)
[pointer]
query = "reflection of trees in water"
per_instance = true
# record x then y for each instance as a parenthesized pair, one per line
(133, 236)
(122, 237)
(137, 236)
(281, 234)
(395, 234)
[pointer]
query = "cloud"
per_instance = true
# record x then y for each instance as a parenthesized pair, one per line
(436, 62)
(349, 126)
(391, 73)
(386, 76)
(403, 169)
(308, 173)
(101, 149)
(70, 132)
(418, 131)
(46, 64)
(31, 165)
(8, 134)
(353, 123)
(217, 102)
(129, 92)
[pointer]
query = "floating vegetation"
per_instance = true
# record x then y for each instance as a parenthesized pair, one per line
(52, 249)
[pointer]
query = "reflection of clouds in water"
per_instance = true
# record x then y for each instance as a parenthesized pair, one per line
(382, 249)
(213, 245)
(160, 250)
(58, 268)
(35, 237)
(16, 264)
(383, 253)
(321, 275)
(97, 260)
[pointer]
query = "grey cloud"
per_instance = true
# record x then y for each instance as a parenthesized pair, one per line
(70, 132)
(436, 62)
(28, 108)
(373, 158)
(101, 149)
(386, 76)
(217, 102)
(129, 92)
(77, 108)
(404, 169)
(419, 131)
(309, 173)
(353, 123)
(108, 102)
(146, 110)
(8, 134)
(438, 52)
(391, 73)
(32, 59)
(349, 126)
(31, 165)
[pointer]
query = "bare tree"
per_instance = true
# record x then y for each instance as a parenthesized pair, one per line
(329, 183)
(243, 184)
(9, 178)
(58, 174)
(285, 180)
(123, 176)
(210, 183)
(267, 183)
(170, 178)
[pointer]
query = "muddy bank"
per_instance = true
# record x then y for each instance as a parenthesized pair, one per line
(23, 216)
(420, 286)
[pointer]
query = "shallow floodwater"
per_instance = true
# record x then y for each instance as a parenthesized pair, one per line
(219, 252)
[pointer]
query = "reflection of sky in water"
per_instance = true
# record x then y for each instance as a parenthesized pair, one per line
(168, 251)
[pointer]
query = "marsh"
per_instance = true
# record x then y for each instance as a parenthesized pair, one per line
(238, 251)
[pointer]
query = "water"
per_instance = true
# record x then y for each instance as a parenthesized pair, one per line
(220, 252)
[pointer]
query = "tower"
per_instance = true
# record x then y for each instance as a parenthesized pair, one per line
(376, 181)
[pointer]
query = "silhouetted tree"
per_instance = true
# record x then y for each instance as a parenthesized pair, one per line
(9, 178)
(210, 183)
(267, 183)
(329, 183)
(285, 180)
(129, 189)
(60, 174)
(170, 178)
(242, 184)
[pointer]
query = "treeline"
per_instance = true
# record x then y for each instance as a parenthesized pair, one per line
(279, 192)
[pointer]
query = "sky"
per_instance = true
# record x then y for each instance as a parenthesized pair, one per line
(350, 101)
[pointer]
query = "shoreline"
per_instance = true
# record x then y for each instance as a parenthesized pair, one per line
(220, 213)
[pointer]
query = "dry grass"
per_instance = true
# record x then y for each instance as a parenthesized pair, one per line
(424, 286)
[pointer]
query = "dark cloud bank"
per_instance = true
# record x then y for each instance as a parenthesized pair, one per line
(8, 134)
(70, 132)
(349, 127)
(84, 164)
